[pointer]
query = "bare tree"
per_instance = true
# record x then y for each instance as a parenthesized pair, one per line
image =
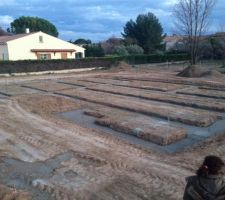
(110, 44)
(192, 19)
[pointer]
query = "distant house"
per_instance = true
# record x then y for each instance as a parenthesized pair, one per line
(38, 45)
(218, 35)
(179, 42)
(172, 41)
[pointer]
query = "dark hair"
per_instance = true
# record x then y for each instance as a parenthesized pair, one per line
(211, 165)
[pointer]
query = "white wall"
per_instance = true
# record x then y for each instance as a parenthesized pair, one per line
(20, 49)
(3, 52)
(170, 45)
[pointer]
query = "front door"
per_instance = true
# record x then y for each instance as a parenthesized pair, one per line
(64, 55)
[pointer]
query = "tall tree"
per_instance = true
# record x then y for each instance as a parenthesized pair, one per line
(82, 41)
(146, 32)
(192, 20)
(34, 24)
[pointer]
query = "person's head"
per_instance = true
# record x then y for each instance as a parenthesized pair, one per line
(212, 165)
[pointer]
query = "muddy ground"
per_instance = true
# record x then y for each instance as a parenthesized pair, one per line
(45, 156)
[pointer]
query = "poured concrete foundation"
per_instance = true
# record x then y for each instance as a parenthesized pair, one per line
(173, 112)
(149, 85)
(190, 101)
(146, 142)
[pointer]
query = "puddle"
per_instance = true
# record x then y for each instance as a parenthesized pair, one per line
(20, 174)
(195, 134)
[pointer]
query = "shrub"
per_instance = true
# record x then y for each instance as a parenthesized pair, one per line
(156, 58)
(134, 49)
(94, 50)
(121, 50)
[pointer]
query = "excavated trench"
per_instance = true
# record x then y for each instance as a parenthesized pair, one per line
(195, 134)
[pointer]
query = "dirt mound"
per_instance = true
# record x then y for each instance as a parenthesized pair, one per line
(196, 71)
(120, 66)
(213, 73)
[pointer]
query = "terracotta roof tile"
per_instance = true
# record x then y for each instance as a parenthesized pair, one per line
(174, 38)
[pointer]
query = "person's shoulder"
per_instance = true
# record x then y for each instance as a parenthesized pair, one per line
(223, 181)
(191, 179)
(223, 178)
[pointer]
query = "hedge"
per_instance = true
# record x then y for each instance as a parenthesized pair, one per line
(156, 58)
(105, 62)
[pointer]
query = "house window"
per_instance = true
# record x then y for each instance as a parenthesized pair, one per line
(41, 39)
(78, 55)
(44, 56)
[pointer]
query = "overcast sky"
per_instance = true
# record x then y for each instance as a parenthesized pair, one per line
(97, 19)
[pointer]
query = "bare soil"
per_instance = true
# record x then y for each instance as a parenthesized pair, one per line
(191, 101)
(151, 129)
(196, 71)
(7, 193)
(175, 112)
(47, 86)
(167, 77)
(137, 84)
(10, 90)
(204, 93)
(47, 157)
(75, 82)
(162, 135)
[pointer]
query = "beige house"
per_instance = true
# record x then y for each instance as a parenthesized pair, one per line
(38, 45)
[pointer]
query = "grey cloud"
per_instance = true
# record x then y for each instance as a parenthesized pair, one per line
(95, 19)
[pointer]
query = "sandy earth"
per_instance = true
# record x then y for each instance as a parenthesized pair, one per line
(51, 158)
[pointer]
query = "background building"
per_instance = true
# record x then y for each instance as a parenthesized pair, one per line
(38, 45)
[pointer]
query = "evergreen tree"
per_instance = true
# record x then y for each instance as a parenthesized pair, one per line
(34, 24)
(146, 32)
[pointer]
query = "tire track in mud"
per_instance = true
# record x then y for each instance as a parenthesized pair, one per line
(39, 140)
(151, 168)
(48, 147)
(105, 157)
(98, 138)
(159, 177)
(33, 133)
(153, 159)
(123, 166)
(156, 171)
(157, 181)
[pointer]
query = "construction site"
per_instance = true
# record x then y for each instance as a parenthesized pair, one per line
(124, 133)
